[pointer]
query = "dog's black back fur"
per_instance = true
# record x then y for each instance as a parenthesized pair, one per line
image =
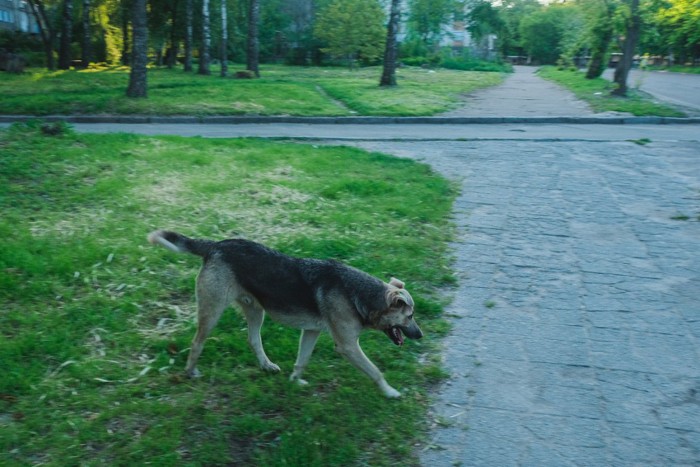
(284, 283)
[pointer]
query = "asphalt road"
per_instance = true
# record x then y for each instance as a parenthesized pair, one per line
(681, 89)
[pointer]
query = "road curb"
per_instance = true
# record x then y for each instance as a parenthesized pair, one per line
(239, 120)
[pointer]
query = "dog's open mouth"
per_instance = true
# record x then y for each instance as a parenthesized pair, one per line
(395, 335)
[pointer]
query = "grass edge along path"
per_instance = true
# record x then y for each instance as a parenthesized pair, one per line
(95, 324)
(282, 90)
(597, 93)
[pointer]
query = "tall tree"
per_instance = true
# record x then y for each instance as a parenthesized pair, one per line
(224, 40)
(633, 29)
(253, 44)
(426, 19)
(390, 49)
(45, 31)
(601, 31)
(204, 57)
(86, 48)
(139, 55)
(126, 9)
(352, 30)
(64, 55)
(189, 19)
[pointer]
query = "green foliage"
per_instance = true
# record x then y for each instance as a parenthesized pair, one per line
(426, 19)
(484, 19)
(352, 30)
(551, 32)
(96, 324)
(680, 19)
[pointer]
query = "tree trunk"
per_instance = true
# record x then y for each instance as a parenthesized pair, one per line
(189, 13)
(171, 55)
(224, 40)
(126, 46)
(206, 41)
(628, 48)
(390, 50)
(64, 55)
(139, 55)
(253, 46)
(87, 50)
(45, 30)
(602, 35)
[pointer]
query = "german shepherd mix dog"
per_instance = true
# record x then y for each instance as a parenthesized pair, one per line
(308, 294)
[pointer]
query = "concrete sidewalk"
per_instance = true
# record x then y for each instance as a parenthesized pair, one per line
(524, 94)
(575, 334)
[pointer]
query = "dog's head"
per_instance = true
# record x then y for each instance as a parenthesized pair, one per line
(397, 320)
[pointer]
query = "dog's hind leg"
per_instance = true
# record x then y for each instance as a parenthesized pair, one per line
(255, 315)
(307, 342)
(211, 302)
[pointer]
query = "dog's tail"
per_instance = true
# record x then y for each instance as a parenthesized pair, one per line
(180, 244)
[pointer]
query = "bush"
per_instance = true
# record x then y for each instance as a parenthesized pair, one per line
(464, 61)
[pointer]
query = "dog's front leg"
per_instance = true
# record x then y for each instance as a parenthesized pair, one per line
(352, 351)
(255, 316)
(307, 342)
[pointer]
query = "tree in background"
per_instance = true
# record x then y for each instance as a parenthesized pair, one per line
(64, 52)
(426, 19)
(224, 40)
(204, 47)
(483, 20)
(599, 16)
(253, 44)
(139, 55)
(512, 12)
(189, 22)
(551, 33)
(86, 38)
(46, 31)
(390, 48)
(679, 22)
(632, 31)
(352, 30)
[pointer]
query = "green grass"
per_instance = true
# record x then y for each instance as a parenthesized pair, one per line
(597, 93)
(281, 91)
(95, 323)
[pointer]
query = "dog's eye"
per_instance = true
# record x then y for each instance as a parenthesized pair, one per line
(410, 316)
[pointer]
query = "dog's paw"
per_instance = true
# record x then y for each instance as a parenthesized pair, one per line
(193, 373)
(271, 367)
(390, 392)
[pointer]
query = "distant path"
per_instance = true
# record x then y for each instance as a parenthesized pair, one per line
(522, 94)
(681, 89)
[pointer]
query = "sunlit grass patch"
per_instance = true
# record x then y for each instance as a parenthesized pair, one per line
(282, 90)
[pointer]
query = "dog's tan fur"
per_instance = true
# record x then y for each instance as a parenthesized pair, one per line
(321, 296)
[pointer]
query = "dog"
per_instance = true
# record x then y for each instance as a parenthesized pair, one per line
(308, 294)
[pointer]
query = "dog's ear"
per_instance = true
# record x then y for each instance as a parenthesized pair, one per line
(400, 297)
(396, 283)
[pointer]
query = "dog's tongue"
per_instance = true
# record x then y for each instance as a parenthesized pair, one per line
(395, 335)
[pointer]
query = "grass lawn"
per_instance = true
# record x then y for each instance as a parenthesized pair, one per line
(95, 324)
(282, 90)
(597, 93)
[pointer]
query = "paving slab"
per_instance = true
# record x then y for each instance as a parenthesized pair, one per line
(576, 322)
(525, 94)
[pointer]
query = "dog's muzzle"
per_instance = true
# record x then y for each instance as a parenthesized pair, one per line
(396, 333)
